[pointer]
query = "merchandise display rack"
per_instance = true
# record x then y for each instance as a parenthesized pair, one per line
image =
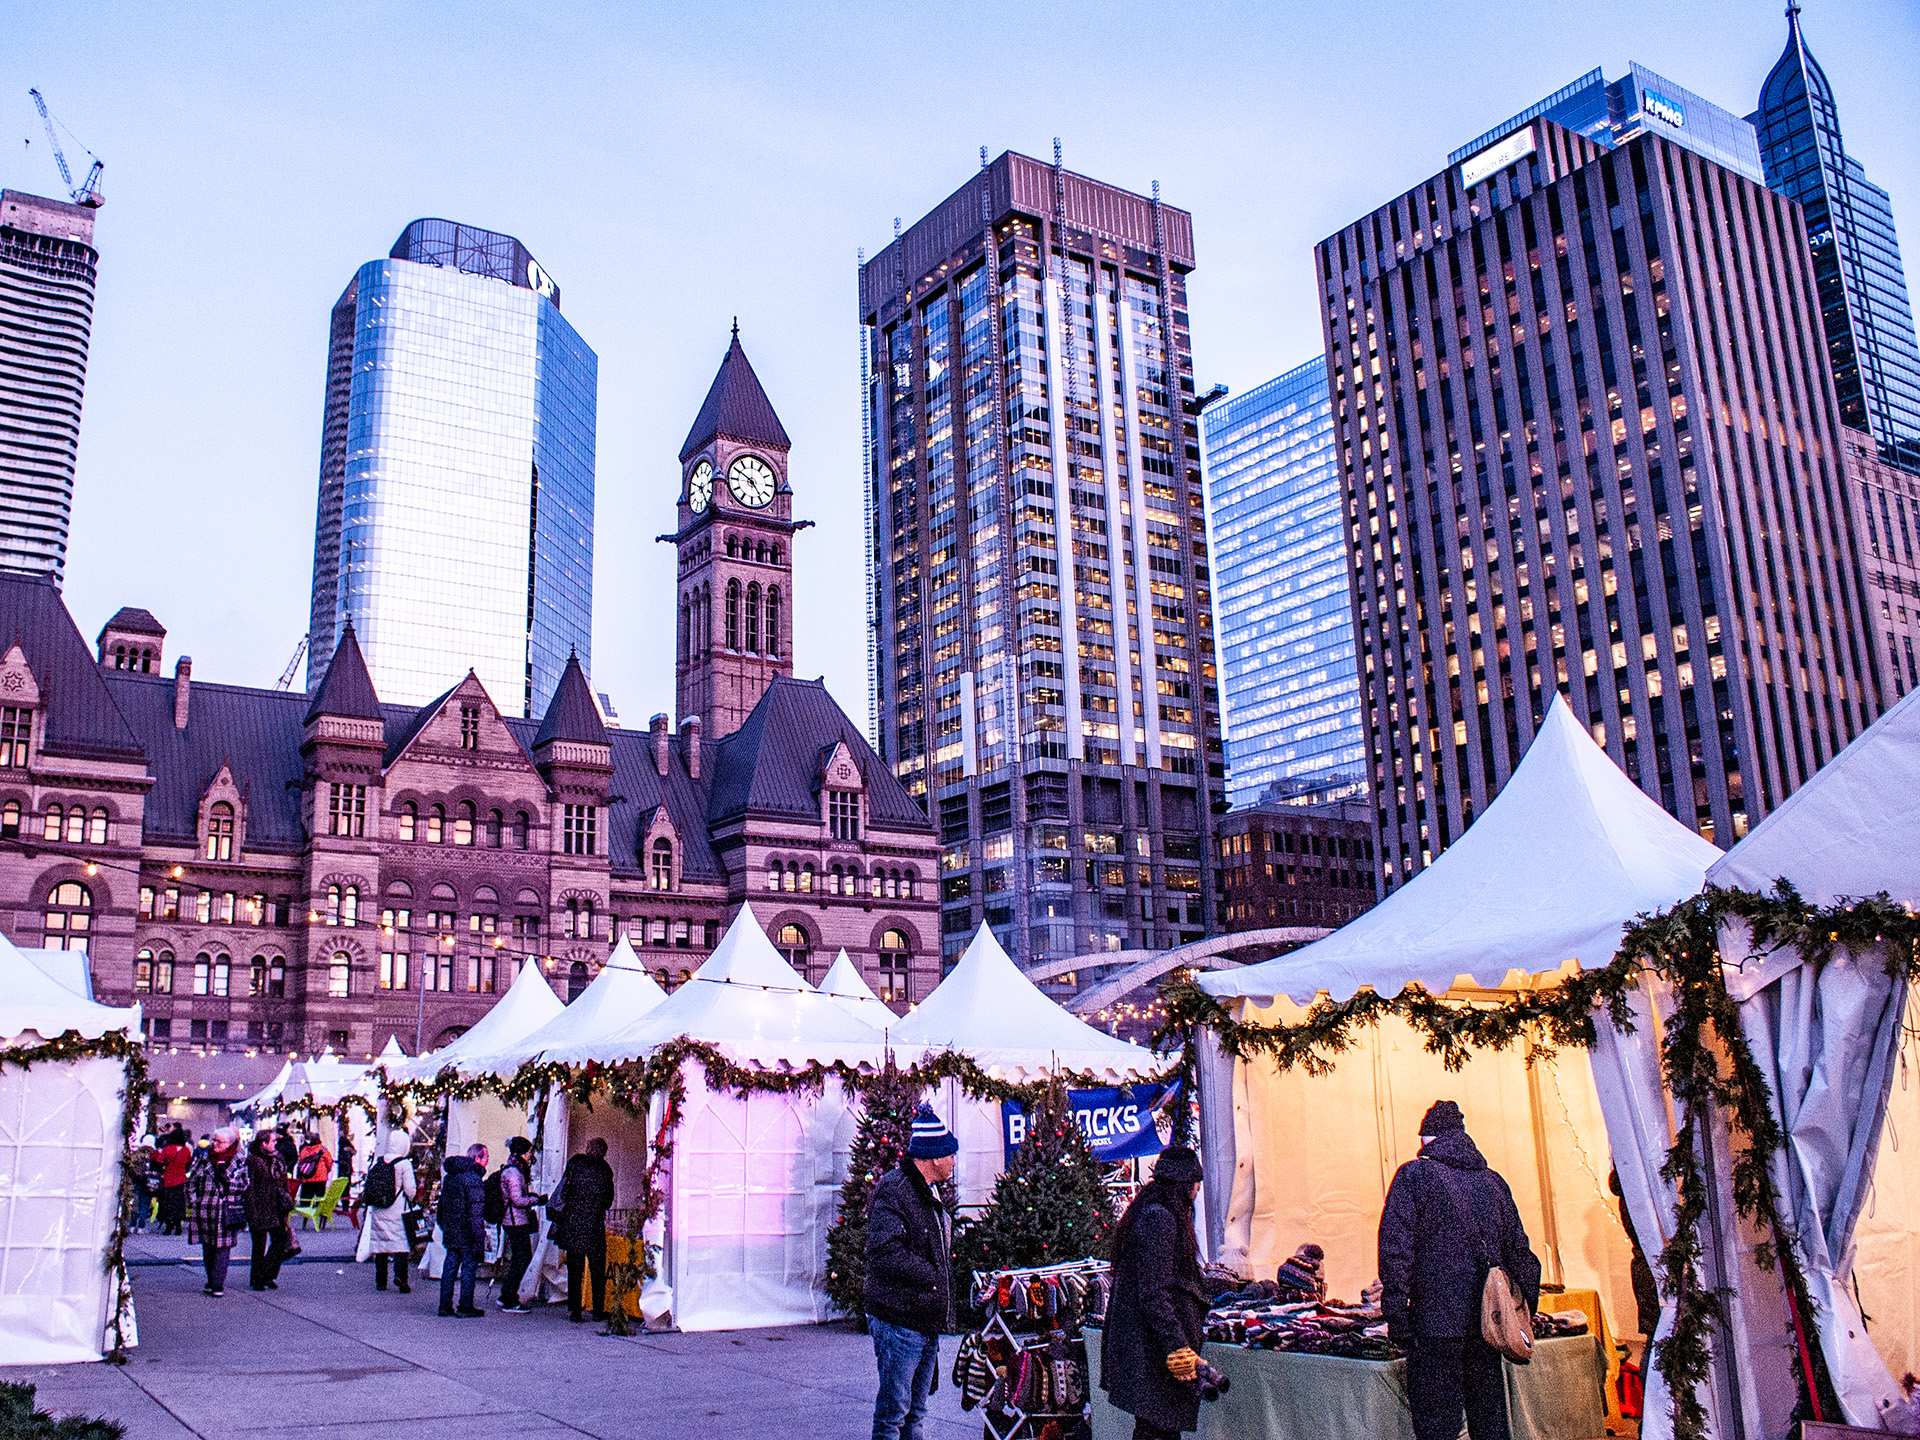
(1032, 1339)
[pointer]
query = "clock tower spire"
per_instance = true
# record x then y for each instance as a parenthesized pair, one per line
(734, 607)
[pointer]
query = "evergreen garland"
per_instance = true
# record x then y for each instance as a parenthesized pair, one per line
(1049, 1205)
(886, 1125)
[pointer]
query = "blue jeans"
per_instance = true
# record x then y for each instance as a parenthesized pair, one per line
(908, 1361)
(465, 1265)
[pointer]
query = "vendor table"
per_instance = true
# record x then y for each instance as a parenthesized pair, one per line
(1281, 1395)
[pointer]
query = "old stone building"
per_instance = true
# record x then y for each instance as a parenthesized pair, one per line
(260, 869)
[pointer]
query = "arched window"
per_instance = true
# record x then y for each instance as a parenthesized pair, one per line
(793, 944)
(436, 824)
(463, 824)
(219, 831)
(496, 826)
(890, 890)
(257, 975)
(50, 824)
(340, 976)
(350, 905)
(153, 972)
(409, 819)
(202, 974)
(733, 548)
(896, 967)
(577, 980)
(686, 625)
(906, 885)
(753, 617)
(69, 917)
(661, 872)
(76, 825)
(10, 818)
(97, 827)
(773, 875)
(222, 975)
(806, 879)
(733, 614)
(522, 827)
(791, 879)
(833, 881)
(773, 620)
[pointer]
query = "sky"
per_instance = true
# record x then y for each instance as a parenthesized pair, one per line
(672, 166)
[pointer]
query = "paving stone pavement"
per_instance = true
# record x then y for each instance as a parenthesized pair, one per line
(327, 1354)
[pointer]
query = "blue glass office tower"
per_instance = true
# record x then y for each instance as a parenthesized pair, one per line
(1864, 303)
(1283, 612)
(1639, 102)
(455, 523)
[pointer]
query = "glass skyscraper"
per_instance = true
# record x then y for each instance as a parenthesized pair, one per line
(1864, 304)
(1042, 608)
(455, 523)
(1283, 613)
(47, 270)
(1640, 102)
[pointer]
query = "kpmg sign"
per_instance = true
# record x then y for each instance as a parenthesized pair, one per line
(1659, 107)
(1496, 157)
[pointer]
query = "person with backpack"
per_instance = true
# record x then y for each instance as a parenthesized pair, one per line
(463, 1228)
(313, 1169)
(385, 1194)
(268, 1206)
(1452, 1252)
(517, 1224)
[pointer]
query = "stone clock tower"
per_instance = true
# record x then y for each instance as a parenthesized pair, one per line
(735, 543)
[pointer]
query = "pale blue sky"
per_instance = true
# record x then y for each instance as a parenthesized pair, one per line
(674, 165)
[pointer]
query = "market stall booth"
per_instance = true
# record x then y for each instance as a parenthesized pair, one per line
(1540, 887)
(620, 995)
(330, 1098)
(262, 1099)
(486, 1119)
(64, 1076)
(750, 1188)
(1834, 1043)
(991, 1013)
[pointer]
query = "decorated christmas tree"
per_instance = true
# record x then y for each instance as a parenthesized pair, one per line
(886, 1124)
(1050, 1204)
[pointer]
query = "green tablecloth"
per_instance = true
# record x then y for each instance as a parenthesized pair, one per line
(1281, 1396)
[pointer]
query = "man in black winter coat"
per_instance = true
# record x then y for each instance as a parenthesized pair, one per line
(579, 1216)
(1448, 1220)
(462, 1214)
(909, 1287)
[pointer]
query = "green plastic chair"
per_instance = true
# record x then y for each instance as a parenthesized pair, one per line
(318, 1212)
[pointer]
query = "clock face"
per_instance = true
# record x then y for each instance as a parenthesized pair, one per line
(752, 481)
(700, 486)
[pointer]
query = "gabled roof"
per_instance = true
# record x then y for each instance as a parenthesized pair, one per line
(528, 1004)
(846, 985)
(572, 714)
(402, 735)
(347, 691)
(80, 716)
(134, 621)
(1500, 898)
(772, 764)
(736, 407)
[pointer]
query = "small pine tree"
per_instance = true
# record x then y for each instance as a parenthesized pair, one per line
(1050, 1204)
(886, 1124)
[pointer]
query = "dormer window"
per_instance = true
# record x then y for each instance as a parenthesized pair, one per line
(220, 831)
(469, 727)
(843, 814)
(662, 867)
(16, 736)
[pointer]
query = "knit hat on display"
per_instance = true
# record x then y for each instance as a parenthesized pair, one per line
(931, 1138)
(1177, 1165)
(1442, 1116)
(1304, 1273)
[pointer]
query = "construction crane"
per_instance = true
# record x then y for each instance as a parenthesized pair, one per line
(88, 192)
(285, 681)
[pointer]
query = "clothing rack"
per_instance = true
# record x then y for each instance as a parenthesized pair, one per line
(1035, 1350)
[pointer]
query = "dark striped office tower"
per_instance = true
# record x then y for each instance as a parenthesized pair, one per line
(1589, 444)
(47, 270)
(1041, 603)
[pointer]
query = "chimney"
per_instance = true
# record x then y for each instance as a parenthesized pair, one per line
(182, 686)
(690, 742)
(662, 756)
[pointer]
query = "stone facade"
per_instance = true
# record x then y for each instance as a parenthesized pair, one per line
(277, 871)
(1296, 865)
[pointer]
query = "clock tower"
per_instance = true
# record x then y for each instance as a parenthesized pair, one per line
(735, 545)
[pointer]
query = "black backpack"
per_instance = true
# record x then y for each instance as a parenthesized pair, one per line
(493, 1200)
(381, 1185)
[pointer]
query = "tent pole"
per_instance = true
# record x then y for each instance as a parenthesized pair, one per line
(1543, 1167)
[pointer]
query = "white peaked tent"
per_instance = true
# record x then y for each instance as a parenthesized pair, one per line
(1829, 1043)
(263, 1098)
(753, 1179)
(844, 982)
(987, 1010)
(1547, 878)
(60, 1149)
(528, 1004)
(326, 1080)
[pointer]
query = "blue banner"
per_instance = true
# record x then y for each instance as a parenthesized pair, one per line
(1119, 1121)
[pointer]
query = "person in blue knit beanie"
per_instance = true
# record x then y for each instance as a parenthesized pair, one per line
(909, 1286)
